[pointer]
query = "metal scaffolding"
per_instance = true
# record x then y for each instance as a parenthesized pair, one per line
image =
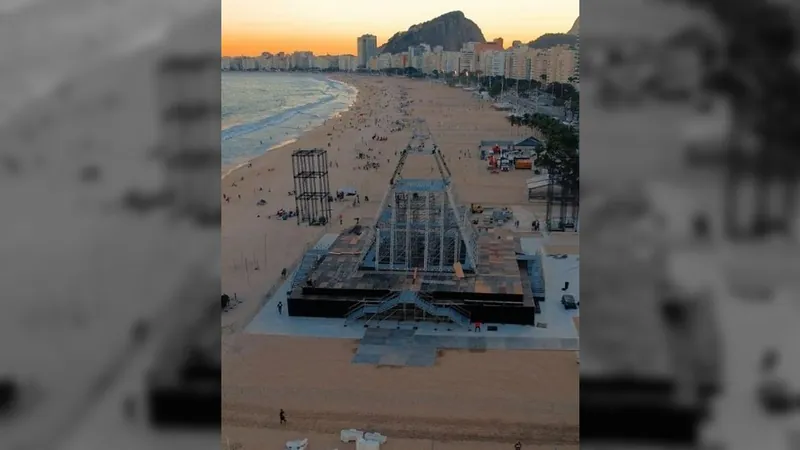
(419, 224)
(562, 206)
(312, 192)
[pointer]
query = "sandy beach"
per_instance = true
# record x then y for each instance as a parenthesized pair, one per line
(469, 400)
(256, 247)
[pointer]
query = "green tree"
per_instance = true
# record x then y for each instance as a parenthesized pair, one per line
(559, 153)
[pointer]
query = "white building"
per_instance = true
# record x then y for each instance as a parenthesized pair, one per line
(321, 62)
(432, 61)
(226, 63)
(468, 58)
(264, 62)
(399, 60)
(372, 63)
(302, 60)
(493, 63)
(451, 61)
(249, 63)
(416, 55)
(384, 61)
(367, 46)
(348, 63)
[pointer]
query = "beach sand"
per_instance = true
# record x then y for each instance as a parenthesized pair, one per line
(468, 400)
(255, 249)
(468, 396)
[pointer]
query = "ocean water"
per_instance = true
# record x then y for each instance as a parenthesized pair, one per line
(262, 111)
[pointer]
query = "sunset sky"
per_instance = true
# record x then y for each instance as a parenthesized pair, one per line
(250, 27)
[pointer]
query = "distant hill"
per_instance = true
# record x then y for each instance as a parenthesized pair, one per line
(576, 27)
(552, 39)
(449, 30)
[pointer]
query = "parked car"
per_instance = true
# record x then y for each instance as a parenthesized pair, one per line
(569, 301)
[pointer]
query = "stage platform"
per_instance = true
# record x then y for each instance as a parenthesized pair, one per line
(559, 334)
(556, 328)
(497, 280)
(500, 291)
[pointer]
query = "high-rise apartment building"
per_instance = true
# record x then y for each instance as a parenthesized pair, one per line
(520, 63)
(367, 46)
(540, 65)
(468, 59)
(561, 66)
(493, 63)
(384, 61)
(451, 61)
(416, 55)
(348, 63)
(303, 60)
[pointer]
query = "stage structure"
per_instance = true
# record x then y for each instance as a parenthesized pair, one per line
(417, 260)
(312, 191)
(419, 225)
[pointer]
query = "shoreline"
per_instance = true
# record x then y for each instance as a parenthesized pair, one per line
(228, 169)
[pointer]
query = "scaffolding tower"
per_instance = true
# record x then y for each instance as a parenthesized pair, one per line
(312, 192)
(562, 205)
(420, 225)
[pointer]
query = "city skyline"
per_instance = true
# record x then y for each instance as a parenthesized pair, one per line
(249, 27)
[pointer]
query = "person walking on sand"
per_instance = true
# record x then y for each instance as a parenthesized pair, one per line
(282, 416)
(283, 273)
(518, 446)
(341, 220)
(280, 308)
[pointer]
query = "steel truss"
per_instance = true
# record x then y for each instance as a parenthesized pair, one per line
(420, 225)
(312, 192)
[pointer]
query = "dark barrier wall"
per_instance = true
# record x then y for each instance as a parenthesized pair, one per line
(514, 315)
(318, 308)
(494, 297)
(346, 293)
(337, 309)
(438, 295)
